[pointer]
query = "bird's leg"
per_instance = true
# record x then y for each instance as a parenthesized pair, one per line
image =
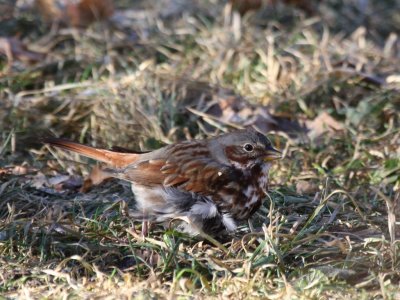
(145, 228)
(251, 227)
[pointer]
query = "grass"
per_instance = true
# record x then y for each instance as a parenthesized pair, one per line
(328, 228)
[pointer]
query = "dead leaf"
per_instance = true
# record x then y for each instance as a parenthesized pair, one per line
(244, 6)
(348, 73)
(39, 180)
(68, 183)
(7, 10)
(322, 124)
(17, 170)
(88, 11)
(57, 179)
(227, 108)
(20, 170)
(51, 10)
(56, 184)
(304, 187)
(64, 182)
(14, 49)
(96, 176)
(216, 107)
(79, 14)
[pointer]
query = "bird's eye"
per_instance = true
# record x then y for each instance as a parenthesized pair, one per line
(248, 147)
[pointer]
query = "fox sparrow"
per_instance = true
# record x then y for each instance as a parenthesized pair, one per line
(214, 182)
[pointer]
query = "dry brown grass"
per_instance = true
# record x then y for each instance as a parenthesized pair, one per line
(328, 226)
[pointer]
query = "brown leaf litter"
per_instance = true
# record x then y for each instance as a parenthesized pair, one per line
(15, 49)
(77, 14)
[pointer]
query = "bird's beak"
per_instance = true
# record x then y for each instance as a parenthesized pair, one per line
(272, 154)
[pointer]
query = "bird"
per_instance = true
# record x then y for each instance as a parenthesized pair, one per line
(213, 183)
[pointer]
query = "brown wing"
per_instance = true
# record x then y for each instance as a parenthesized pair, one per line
(188, 166)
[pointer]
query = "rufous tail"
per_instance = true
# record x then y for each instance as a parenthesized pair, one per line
(113, 158)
